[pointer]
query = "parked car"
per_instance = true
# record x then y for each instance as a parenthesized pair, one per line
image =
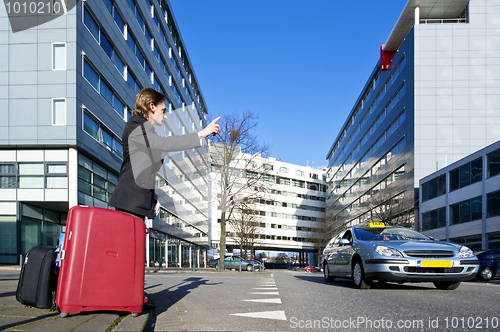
(233, 262)
(489, 267)
(386, 253)
(309, 268)
(257, 264)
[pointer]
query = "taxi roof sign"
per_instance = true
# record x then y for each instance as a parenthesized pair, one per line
(377, 224)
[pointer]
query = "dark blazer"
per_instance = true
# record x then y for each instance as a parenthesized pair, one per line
(135, 189)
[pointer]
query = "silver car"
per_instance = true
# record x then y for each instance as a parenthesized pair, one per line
(385, 253)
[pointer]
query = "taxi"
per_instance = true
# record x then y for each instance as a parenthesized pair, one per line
(382, 253)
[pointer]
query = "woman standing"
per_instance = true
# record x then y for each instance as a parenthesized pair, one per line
(143, 153)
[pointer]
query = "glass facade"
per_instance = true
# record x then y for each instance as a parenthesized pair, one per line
(92, 75)
(40, 227)
(371, 161)
(434, 77)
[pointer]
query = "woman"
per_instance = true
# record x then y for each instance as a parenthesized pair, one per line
(143, 153)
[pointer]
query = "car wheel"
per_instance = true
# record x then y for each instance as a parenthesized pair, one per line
(446, 285)
(326, 273)
(249, 268)
(358, 276)
(485, 273)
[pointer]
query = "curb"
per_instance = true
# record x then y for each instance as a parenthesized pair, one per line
(208, 270)
(140, 323)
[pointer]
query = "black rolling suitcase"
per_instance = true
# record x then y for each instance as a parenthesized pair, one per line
(38, 279)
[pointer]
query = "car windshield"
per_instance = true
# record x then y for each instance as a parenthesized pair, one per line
(388, 234)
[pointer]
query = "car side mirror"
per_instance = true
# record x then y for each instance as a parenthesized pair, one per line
(344, 242)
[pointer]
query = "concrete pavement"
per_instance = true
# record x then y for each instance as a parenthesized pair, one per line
(17, 317)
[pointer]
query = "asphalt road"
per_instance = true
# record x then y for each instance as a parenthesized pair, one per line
(283, 300)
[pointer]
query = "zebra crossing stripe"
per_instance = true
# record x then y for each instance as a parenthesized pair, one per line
(278, 315)
(275, 300)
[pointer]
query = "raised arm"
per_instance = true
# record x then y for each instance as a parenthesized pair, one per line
(212, 128)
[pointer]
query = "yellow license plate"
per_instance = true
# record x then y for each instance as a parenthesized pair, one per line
(434, 263)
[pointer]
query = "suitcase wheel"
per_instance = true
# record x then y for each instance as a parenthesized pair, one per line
(135, 314)
(63, 314)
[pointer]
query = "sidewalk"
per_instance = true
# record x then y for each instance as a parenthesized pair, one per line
(17, 317)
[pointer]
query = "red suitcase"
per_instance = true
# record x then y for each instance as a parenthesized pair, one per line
(102, 262)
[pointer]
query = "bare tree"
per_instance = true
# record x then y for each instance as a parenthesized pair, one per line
(393, 207)
(236, 175)
(320, 237)
(245, 228)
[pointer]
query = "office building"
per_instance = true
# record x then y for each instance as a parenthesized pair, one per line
(460, 203)
(67, 88)
(286, 203)
(432, 99)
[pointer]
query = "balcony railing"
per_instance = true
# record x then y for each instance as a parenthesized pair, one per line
(442, 20)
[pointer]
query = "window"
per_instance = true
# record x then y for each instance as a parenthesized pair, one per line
(454, 179)
(434, 219)
(133, 82)
(312, 186)
(252, 175)
(299, 173)
(284, 181)
(116, 16)
(493, 163)
(119, 107)
(97, 183)
(106, 92)
(476, 170)
(104, 41)
(268, 167)
(90, 23)
(493, 204)
(466, 211)
(476, 208)
(31, 175)
(90, 75)
(119, 21)
(434, 188)
(59, 56)
(90, 126)
(100, 134)
(267, 178)
(103, 88)
(112, 54)
(466, 174)
(58, 111)
(7, 176)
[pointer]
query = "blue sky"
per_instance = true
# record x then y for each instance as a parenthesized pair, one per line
(298, 65)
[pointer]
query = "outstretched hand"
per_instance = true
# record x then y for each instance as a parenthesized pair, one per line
(211, 129)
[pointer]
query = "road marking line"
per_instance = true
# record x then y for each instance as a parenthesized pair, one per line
(267, 288)
(265, 293)
(279, 314)
(276, 300)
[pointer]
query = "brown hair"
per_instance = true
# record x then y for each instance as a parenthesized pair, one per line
(144, 98)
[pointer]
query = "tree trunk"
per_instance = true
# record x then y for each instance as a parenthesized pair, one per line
(222, 247)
